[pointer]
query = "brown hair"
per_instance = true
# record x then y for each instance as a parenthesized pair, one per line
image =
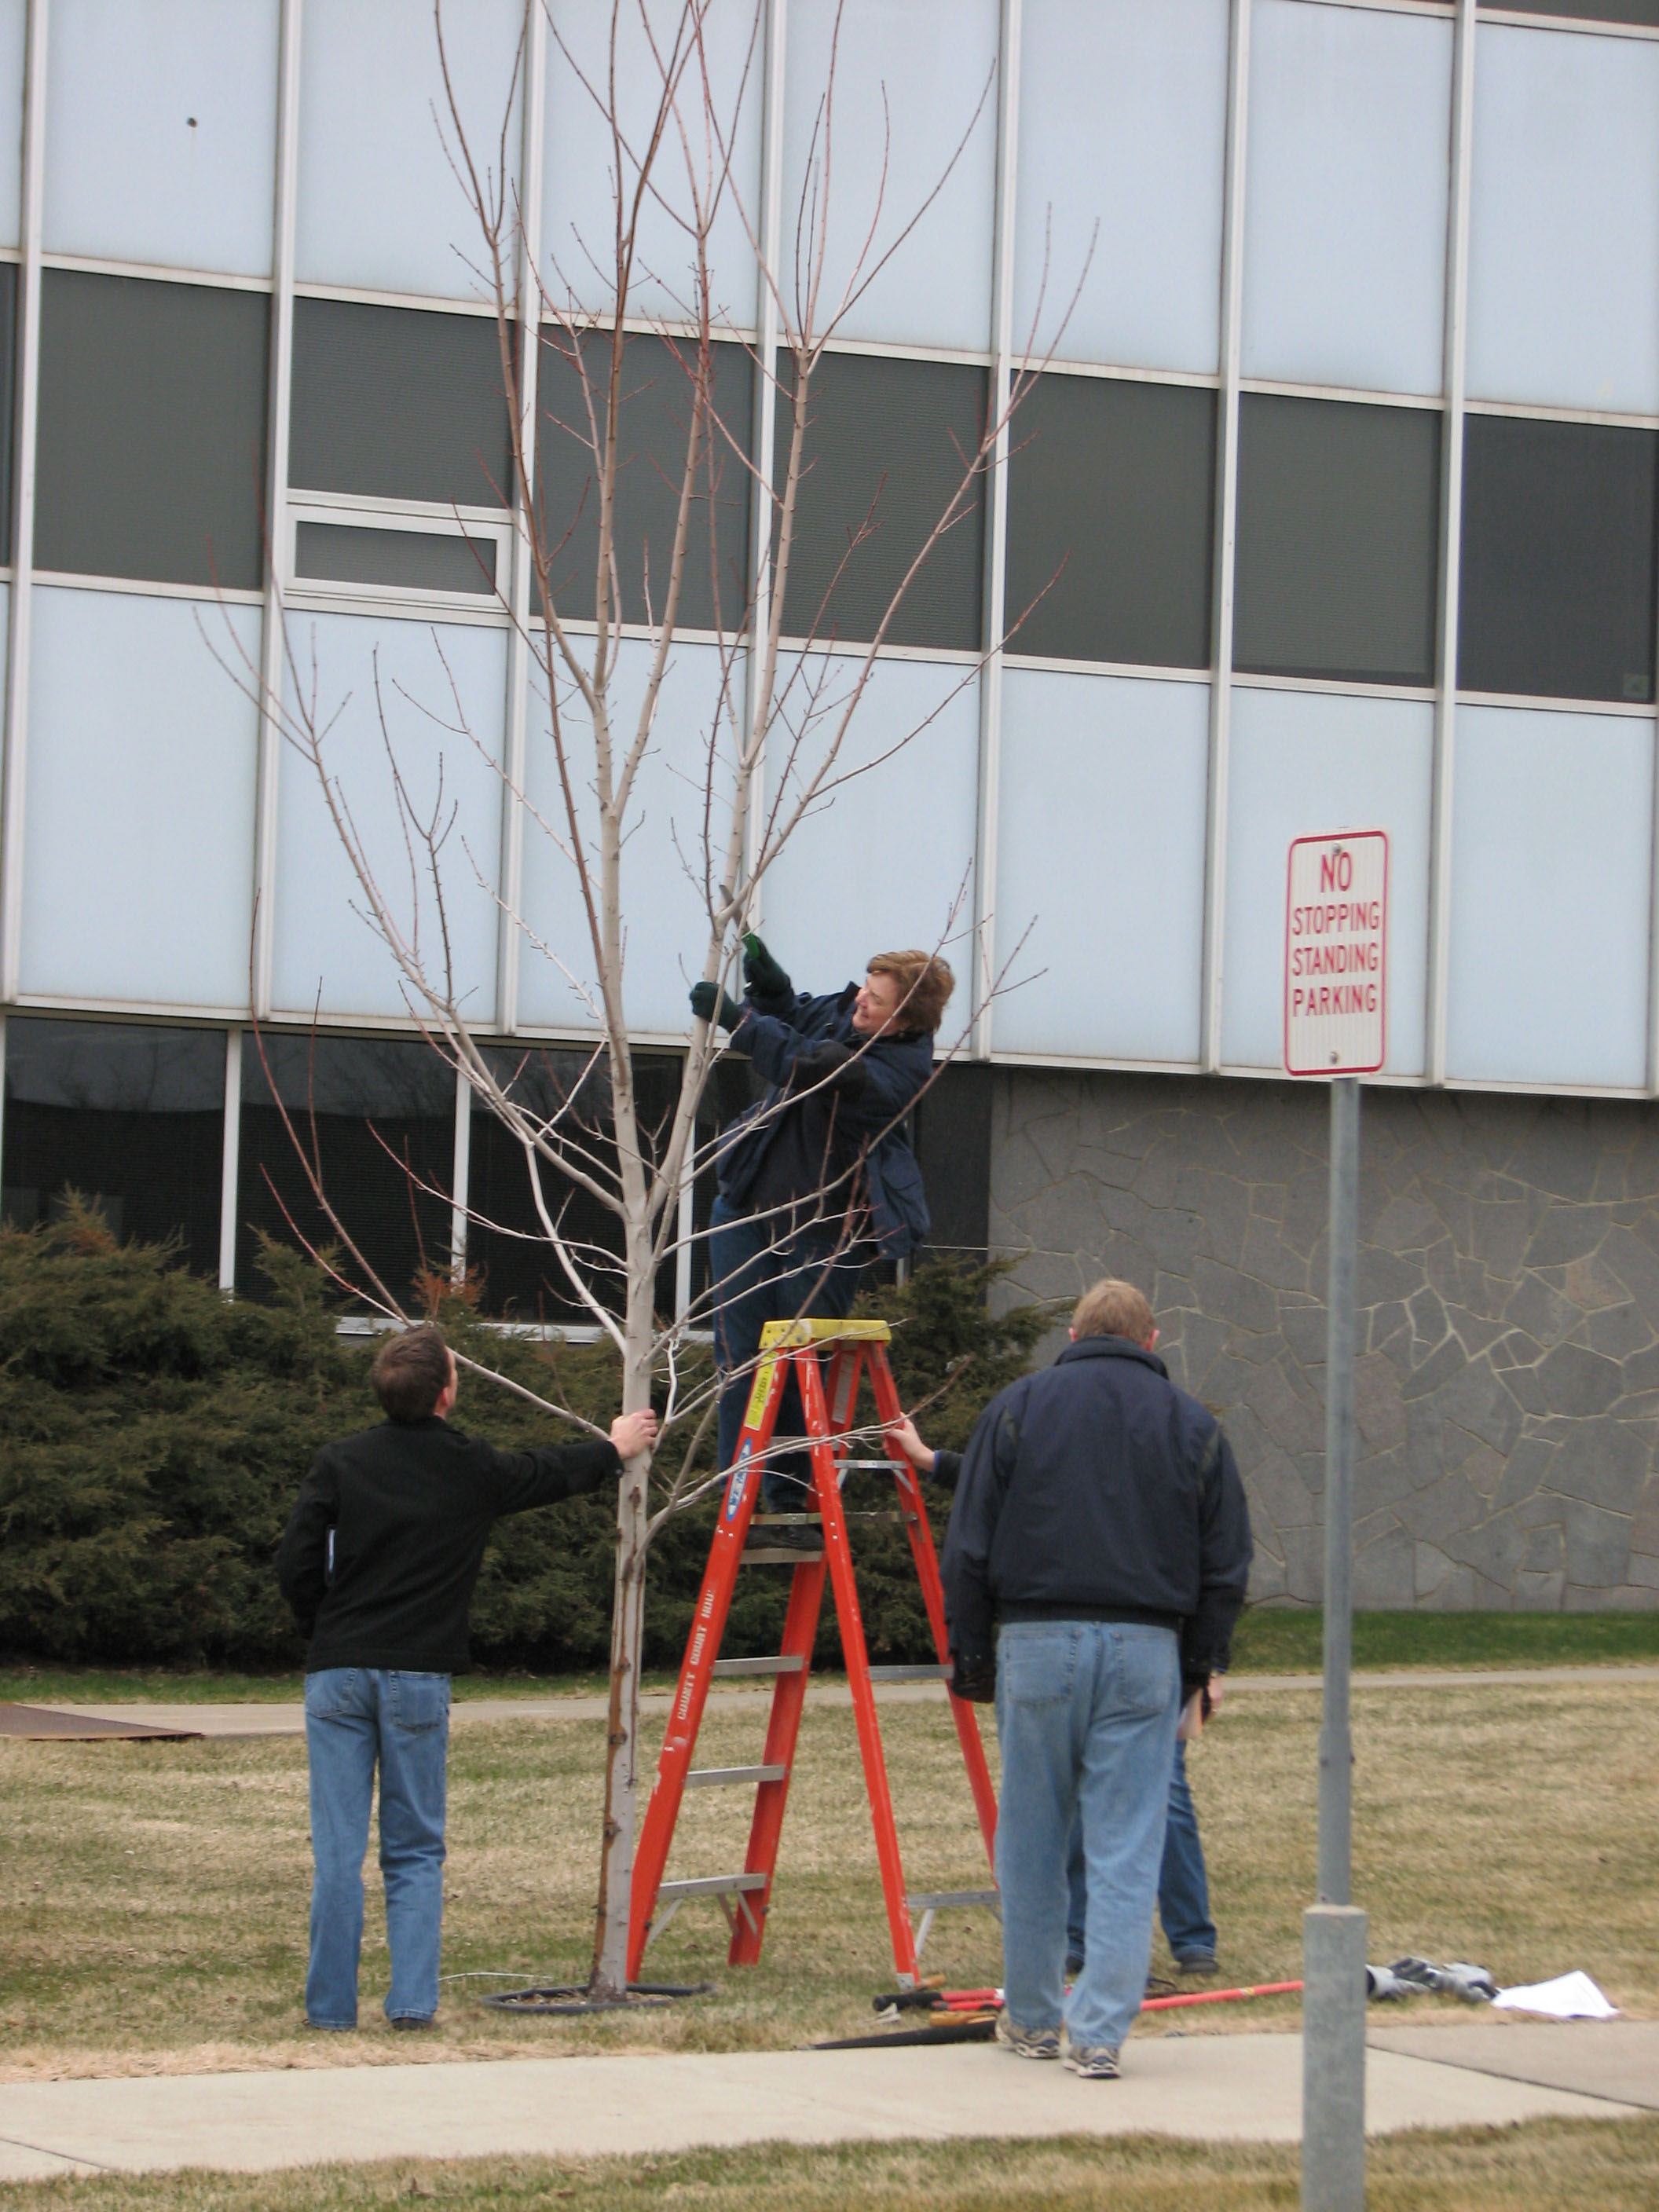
(925, 984)
(411, 1373)
(1113, 1308)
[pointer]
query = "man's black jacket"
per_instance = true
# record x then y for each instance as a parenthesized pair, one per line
(1096, 1491)
(410, 1506)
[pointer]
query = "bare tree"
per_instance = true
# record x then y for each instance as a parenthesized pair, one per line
(773, 746)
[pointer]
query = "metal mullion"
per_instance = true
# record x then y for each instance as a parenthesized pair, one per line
(510, 942)
(996, 532)
(272, 659)
(1438, 981)
(768, 229)
(460, 1176)
(28, 394)
(230, 1159)
(1226, 529)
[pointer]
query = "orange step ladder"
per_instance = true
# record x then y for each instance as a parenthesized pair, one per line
(829, 1395)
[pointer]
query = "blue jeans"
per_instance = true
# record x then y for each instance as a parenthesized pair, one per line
(761, 1276)
(1183, 1890)
(1087, 1714)
(355, 1716)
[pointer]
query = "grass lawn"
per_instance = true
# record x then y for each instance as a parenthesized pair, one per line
(155, 1894)
(1269, 1640)
(1614, 2165)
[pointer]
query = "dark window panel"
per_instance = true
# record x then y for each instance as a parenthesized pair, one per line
(7, 397)
(885, 449)
(129, 1117)
(1338, 539)
(1591, 11)
(506, 1241)
(1556, 596)
(1111, 504)
(377, 1104)
(953, 1138)
(398, 403)
(151, 455)
(655, 425)
(414, 560)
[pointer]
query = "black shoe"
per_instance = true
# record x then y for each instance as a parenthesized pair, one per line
(407, 2023)
(1200, 1964)
(784, 1536)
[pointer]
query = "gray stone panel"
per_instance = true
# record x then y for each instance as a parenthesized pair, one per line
(1508, 1381)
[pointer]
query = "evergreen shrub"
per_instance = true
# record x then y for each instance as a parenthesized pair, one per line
(155, 1434)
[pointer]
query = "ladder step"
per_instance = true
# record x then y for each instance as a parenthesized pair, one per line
(712, 1885)
(936, 1672)
(717, 1777)
(947, 1900)
(788, 1664)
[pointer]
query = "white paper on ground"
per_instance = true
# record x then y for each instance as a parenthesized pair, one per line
(1569, 1997)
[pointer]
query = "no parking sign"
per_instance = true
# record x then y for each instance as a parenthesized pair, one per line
(1336, 950)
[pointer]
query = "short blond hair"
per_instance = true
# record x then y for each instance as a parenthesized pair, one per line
(925, 984)
(1114, 1308)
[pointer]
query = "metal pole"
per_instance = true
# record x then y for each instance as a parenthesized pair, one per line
(1333, 1932)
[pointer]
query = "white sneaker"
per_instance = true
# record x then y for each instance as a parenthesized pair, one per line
(1095, 2062)
(1028, 2042)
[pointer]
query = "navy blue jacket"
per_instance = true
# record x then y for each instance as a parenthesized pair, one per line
(1096, 1491)
(875, 1091)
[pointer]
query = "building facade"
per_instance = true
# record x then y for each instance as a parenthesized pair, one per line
(1331, 504)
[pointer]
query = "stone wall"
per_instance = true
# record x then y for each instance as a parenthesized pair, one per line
(1508, 1332)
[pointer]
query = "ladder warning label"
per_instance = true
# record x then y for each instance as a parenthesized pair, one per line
(1336, 936)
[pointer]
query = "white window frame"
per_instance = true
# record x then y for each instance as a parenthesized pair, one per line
(419, 518)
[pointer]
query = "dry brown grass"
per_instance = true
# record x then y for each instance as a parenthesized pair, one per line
(154, 1895)
(1613, 2166)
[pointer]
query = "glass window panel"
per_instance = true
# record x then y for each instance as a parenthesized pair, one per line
(128, 1116)
(1346, 209)
(14, 15)
(898, 84)
(1123, 128)
(382, 1114)
(161, 132)
(150, 460)
(655, 418)
(138, 833)
(393, 403)
(1300, 764)
(663, 856)
(442, 693)
(506, 1241)
(1557, 592)
(885, 454)
(1338, 529)
(1552, 833)
(409, 560)
(379, 203)
(888, 860)
(709, 160)
(1100, 849)
(1564, 284)
(7, 394)
(1111, 505)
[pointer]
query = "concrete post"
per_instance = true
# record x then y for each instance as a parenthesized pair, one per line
(1334, 2059)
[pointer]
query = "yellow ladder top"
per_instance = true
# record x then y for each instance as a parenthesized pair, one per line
(779, 1335)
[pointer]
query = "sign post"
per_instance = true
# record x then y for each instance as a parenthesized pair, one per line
(1335, 1026)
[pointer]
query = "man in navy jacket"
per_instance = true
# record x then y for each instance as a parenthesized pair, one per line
(818, 1174)
(1101, 1535)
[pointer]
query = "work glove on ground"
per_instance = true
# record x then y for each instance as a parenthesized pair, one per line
(974, 1676)
(710, 1004)
(762, 972)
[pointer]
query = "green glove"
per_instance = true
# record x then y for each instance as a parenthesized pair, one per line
(762, 972)
(710, 1004)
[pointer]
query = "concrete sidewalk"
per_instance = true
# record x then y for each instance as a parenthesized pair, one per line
(288, 1718)
(1237, 2088)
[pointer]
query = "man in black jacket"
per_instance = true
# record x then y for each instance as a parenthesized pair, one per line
(1100, 1531)
(379, 1562)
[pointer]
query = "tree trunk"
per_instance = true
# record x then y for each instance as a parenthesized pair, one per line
(609, 1974)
